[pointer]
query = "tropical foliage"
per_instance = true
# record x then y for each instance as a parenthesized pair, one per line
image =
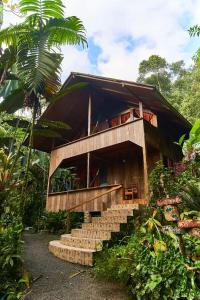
(33, 55)
(178, 84)
(30, 69)
(158, 261)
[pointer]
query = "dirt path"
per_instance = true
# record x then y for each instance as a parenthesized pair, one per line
(55, 283)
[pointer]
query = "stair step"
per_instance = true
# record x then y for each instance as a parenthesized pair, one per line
(124, 206)
(109, 219)
(114, 227)
(134, 201)
(81, 242)
(92, 234)
(80, 246)
(72, 254)
(115, 213)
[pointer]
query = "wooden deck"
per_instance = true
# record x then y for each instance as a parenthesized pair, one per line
(66, 200)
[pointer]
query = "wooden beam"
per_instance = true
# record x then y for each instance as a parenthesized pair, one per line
(141, 109)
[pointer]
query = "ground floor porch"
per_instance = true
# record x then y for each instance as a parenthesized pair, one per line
(112, 175)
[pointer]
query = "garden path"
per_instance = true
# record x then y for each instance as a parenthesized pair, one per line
(55, 281)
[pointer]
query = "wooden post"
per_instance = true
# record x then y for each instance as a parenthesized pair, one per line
(141, 109)
(145, 164)
(88, 169)
(87, 217)
(89, 114)
(89, 132)
(145, 171)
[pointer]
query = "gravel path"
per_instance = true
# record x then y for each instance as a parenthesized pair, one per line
(55, 282)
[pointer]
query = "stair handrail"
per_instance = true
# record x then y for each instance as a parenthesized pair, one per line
(96, 197)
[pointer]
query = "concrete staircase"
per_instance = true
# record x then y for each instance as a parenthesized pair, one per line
(81, 245)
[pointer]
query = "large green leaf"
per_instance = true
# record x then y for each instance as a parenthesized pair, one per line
(195, 128)
(13, 102)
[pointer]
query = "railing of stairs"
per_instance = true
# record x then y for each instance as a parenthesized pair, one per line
(96, 197)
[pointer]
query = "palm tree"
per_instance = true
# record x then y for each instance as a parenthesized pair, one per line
(35, 49)
(33, 57)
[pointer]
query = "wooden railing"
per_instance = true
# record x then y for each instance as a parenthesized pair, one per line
(96, 197)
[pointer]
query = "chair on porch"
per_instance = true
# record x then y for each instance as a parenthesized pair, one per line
(131, 192)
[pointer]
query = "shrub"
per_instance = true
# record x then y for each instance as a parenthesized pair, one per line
(150, 272)
(61, 221)
(11, 282)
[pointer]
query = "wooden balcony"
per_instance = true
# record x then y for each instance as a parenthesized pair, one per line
(67, 200)
(132, 131)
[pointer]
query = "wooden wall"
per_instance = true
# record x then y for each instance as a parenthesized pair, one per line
(128, 170)
(66, 200)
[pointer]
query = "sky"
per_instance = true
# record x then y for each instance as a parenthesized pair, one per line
(122, 33)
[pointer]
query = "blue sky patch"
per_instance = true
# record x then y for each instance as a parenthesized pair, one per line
(93, 51)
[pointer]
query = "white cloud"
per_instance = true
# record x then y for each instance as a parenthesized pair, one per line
(129, 31)
(158, 22)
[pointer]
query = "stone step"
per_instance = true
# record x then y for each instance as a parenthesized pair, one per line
(109, 219)
(134, 201)
(115, 213)
(124, 206)
(72, 254)
(92, 234)
(81, 242)
(114, 227)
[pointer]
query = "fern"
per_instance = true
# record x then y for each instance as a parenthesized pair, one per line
(191, 196)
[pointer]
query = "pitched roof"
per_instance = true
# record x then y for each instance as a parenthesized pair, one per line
(72, 108)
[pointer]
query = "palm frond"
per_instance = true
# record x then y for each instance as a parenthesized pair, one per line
(66, 91)
(11, 34)
(66, 31)
(53, 124)
(194, 30)
(44, 8)
(39, 67)
(48, 133)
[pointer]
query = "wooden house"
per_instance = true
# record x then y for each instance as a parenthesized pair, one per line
(119, 129)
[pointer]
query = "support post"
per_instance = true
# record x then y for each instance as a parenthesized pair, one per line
(145, 171)
(141, 109)
(88, 169)
(89, 114)
(87, 216)
(145, 165)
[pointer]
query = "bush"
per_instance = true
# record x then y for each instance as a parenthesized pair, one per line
(11, 282)
(61, 221)
(153, 269)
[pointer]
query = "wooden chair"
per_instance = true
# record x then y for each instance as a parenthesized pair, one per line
(131, 192)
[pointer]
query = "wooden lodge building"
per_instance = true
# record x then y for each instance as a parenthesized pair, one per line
(119, 130)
